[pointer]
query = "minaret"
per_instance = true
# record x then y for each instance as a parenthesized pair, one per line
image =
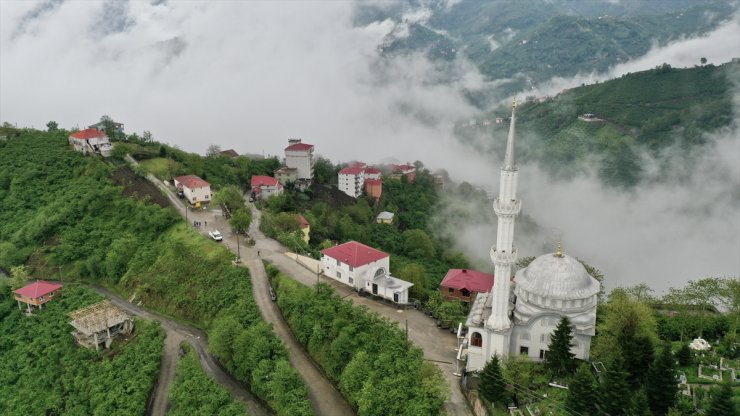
(503, 255)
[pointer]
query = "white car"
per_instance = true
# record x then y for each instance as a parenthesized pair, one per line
(215, 235)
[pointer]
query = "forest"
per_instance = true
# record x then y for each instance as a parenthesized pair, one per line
(44, 372)
(368, 357)
(69, 221)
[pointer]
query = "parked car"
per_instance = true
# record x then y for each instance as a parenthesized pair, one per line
(215, 235)
(180, 194)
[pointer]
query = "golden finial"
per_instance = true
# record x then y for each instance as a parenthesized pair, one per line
(513, 103)
(559, 253)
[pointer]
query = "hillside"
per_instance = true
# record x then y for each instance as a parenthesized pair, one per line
(639, 112)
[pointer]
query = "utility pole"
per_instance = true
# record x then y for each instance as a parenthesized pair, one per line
(317, 278)
(407, 333)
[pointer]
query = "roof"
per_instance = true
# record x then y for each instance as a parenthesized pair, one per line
(357, 164)
(557, 276)
(471, 280)
(97, 317)
(385, 215)
(300, 147)
(355, 254)
(37, 288)
(88, 134)
(405, 168)
(373, 182)
(303, 221)
(230, 153)
(351, 171)
(286, 170)
(259, 180)
(192, 181)
(372, 171)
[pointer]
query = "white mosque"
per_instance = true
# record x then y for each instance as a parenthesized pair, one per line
(518, 315)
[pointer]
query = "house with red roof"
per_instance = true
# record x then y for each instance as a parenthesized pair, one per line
(264, 187)
(91, 141)
(305, 227)
(351, 180)
(194, 188)
(372, 173)
(409, 171)
(299, 156)
(365, 269)
(465, 284)
(374, 187)
(36, 294)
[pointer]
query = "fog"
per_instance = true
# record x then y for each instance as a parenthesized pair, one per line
(249, 75)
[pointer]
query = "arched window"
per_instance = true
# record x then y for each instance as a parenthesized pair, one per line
(476, 340)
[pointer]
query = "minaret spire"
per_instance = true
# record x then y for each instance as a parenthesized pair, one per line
(503, 254)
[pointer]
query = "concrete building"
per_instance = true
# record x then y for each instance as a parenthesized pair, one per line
(91, 141)
(100, 126)
(464, 284)
(351, 181)
(372, 173)
(99, 323)
(365, 269)
(285, 175)
(552, 286)
(299, 156)
(194, 188)
(37, 294)
(264, 187)
(374, 187)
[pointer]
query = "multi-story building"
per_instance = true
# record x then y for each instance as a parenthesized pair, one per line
(194, 188)
(300, 157)
(351, 181)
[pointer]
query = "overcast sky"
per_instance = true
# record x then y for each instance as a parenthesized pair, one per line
(249, 75)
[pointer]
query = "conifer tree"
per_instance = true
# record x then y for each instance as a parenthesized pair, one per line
(661, 386)
(722, 404)
(582, 393)
(684, 356)
(640, 406)
(559, 359)
(492, 385)
(614, 391)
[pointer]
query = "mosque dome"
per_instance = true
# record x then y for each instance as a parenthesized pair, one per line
(556, 276)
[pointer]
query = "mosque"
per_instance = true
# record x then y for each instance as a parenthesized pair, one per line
(521, 312)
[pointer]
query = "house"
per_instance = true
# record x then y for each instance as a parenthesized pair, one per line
(365, 269)
(374, 187)
(229, 153)
(99, 323)
(100, 126)
(299, 156)
(351, 180)
(91, 141)
(193, 188)
(36, 294)
(264, 187)
(286, 174)
(305, 227)
(465, 284)
(409, 171)
(384, 217)
(372, 173)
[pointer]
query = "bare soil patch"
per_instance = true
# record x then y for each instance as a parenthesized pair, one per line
(138, 187)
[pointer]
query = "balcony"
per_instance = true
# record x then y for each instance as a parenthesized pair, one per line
(503, 257)
(507, 208)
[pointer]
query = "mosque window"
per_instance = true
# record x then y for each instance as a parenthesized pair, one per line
(476, 340)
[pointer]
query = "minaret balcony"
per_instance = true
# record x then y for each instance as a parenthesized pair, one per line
(503, 257)
(507, 208)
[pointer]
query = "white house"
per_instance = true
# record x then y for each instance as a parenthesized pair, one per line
(194, 188)
(351, 181)
(300, 156)
(91, 141)
(264, 187)
(364, 268)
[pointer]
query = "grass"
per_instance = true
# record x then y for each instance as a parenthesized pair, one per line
(160, 167)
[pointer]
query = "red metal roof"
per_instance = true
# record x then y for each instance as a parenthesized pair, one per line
(88, 134)
(300, 146)
(303, 221)
(259, 180)
(405, 168)
(372, 171)
(192, 181)
(471, 280)
(351, 171)
(37, 288)
(373, 182)
(355, 254)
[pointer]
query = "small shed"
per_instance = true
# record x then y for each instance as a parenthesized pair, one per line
(384, 217)
(99, 323)
(36, 294)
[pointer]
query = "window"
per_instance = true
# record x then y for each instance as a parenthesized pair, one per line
(351, 280)
(476, 340)
(466, 293)
(339, 275)
(523, 350)
(350, 268)
(51, 294)
(450, 290)
(338, 263)
(542, 354)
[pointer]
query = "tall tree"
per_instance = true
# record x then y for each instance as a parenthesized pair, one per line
(240, 220)
(559, 359)
(722, 403)
(492, 385)
(661, 387)
(52, 126)
(213, 150)
(582, 393)
(640, 406)
(614, 390)
(684, 355)
(19, 277)
(230, 197)
(622, 316)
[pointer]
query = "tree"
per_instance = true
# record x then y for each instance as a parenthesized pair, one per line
(229, 197)
(18, 276)
(213, 150)
(492, 385)
(146, 136)
(722, 403)
(417, 244)
(623, 319)
(240, 220)
(661, 385)
(324, 171)
(639, 406)
(559, 359)
(52, 126)
(614, 391)
(684, 355)
(703, 61)
(414, 273)
(582, 393)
